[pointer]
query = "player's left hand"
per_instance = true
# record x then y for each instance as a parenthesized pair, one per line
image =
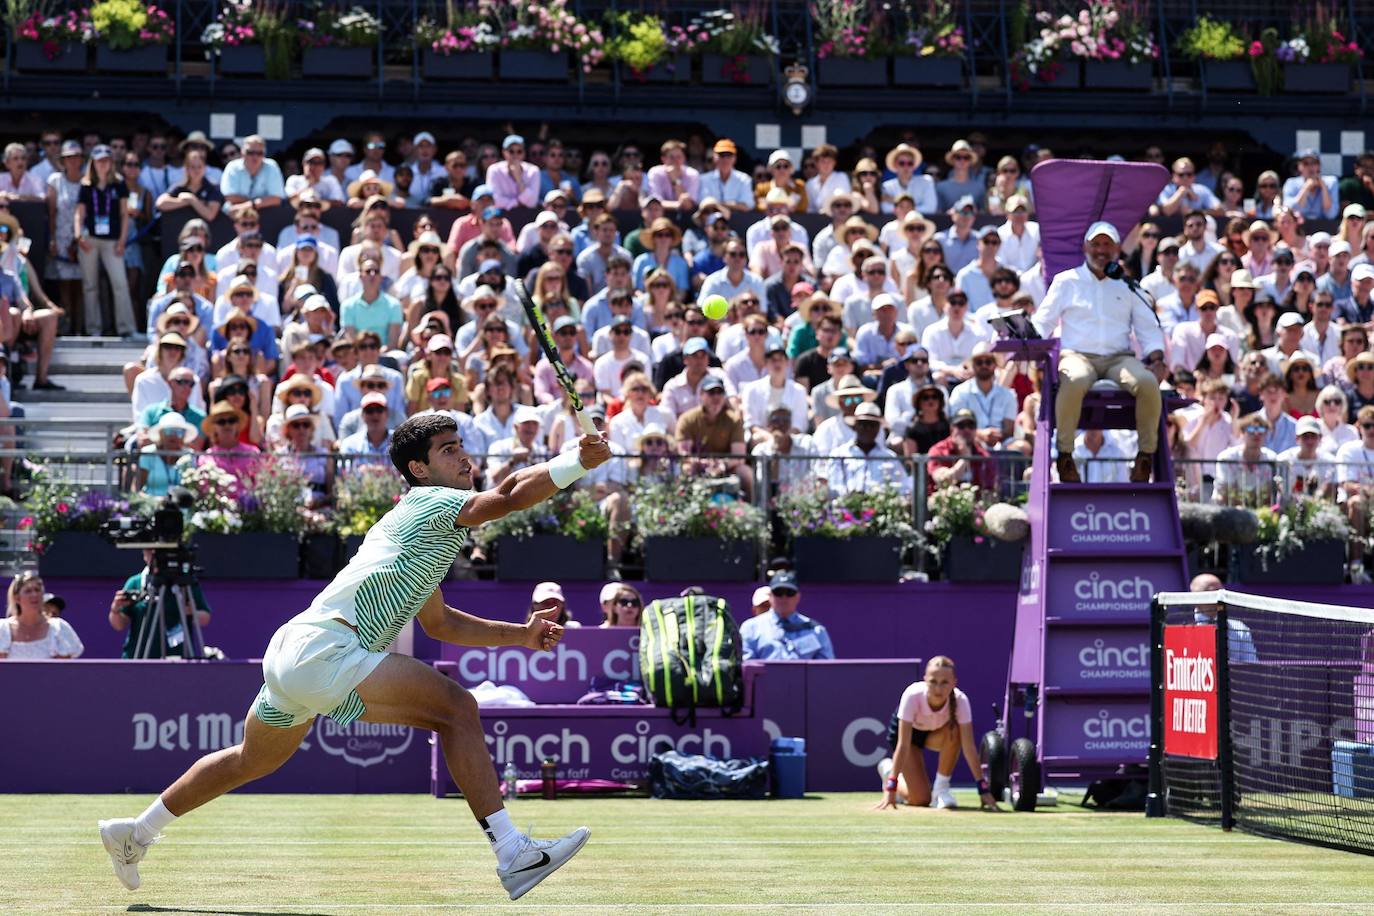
(541, 633)
(989, 804)
(593, 451)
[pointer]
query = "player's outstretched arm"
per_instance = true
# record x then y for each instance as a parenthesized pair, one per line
(975, 765)
(446, 624)
(531, 486)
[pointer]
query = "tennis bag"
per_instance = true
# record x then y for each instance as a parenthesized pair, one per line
(689, 656)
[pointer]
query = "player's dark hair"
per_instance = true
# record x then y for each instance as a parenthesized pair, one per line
(410, 441)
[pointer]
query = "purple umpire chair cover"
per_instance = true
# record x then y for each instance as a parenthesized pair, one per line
(1072, 194)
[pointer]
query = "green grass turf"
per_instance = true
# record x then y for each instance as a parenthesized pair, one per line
(275, 854)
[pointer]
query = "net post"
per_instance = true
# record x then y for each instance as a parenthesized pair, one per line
(1154, 799)
(1224, 762)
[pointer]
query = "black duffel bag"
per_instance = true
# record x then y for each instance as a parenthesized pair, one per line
(674, 775)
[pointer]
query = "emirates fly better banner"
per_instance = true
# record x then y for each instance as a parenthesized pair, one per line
(1190, 691)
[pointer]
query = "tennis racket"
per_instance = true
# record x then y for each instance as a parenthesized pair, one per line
(560, 371)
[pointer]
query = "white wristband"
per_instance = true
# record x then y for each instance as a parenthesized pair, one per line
(566, 469)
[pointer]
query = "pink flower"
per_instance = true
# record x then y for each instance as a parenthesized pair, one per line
(26, 522)
(63, 508)
(978, 539)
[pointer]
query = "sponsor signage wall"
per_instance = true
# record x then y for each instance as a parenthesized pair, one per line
(1119, 522)
(1100, 730)
(1190, 691)
(1109, 589)
(1109, 659)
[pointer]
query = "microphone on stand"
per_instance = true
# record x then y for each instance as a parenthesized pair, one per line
(1114, 271)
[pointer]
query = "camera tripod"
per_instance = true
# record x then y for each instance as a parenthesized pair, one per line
(168, 586)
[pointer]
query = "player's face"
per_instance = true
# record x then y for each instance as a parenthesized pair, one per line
(939, 683)
(449, 464)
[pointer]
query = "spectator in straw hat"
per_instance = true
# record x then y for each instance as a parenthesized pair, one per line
(839, 260)
(903, 160)
(963, 179)
(299, 435)
(306, 391)
(849, 393)
(222, 427)
(839, 207)
(864, 462)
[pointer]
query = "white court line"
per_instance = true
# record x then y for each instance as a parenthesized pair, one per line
(314, 906)
(760, 843)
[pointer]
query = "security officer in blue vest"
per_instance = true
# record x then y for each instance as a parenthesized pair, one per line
(783, 633)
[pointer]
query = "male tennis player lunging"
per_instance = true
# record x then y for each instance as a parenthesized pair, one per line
(331, 660)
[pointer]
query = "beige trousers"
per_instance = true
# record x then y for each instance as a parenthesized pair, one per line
(1078, 371)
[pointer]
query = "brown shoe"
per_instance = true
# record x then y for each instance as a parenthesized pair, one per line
(1068, 471)
(1141, 468)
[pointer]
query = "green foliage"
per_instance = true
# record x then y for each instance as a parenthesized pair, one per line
(54, 503)
(691, 507)
(571, 513)
(639, 42)
(956, 511)
(1287, 528)
(813, 512)
(1212, 39)
(126, 24)
(362, 495)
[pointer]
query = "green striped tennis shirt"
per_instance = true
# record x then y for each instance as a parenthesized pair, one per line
(402, 560)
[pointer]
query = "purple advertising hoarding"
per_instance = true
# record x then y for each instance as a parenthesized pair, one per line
(1097, 730)
(1108, 589)
(560, 676)
(136, 726)
(1122, 522)
(1083, 659)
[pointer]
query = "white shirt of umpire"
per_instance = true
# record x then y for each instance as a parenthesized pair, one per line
(639, 342)
(1109, 465)
(799, 466)
(500, 451)
(759, 398)
(849, 470)
(1096, 317)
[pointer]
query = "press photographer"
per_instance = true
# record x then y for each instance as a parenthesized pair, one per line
(155, 605)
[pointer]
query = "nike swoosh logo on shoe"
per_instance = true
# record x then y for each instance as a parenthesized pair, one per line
(543, 860)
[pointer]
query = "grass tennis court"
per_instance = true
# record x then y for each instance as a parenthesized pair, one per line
(294, 854)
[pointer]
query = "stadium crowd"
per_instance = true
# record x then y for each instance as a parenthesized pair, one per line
(846, 348)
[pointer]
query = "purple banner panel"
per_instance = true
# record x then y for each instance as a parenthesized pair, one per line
(560, 676)
(848, 706)
(1109, 589)
(1084, 659)
(602, 742)
(1122, 522)
(136, 726)
(1100, 730)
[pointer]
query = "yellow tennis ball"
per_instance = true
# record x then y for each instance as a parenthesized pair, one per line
(715, 307)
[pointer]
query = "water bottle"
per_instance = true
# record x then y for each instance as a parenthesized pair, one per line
(508, 784)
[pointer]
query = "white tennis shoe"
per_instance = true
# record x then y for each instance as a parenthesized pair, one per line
(945, 799)
(125, 852)
(534, 863)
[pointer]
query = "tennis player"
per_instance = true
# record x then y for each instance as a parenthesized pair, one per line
(933, 715)
(331, 659)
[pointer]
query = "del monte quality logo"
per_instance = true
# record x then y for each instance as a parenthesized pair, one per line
(362, 744)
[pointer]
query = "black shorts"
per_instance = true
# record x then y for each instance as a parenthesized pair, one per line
(918, 737)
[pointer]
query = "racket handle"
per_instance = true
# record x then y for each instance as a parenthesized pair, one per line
(586, 423)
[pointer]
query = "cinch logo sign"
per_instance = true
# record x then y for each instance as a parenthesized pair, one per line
(1100, 661)
(1105, 732)
(513, 666)
(643, 744)
(1126, 593)
(530, 750)
(1125, 526)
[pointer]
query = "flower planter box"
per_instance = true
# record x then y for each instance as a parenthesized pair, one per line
(928, 71)
(144, 59)
(847, 71)
(249, 555)
(470, 65)
(965, 560)
(1228, 76)
(676, 69)
(746, 70)
(856, 559)
(674, 559)
(1118, 75)
(321, 556)
(69, 57)
(1313, 78)
(87, 555)
(242, 60)
(550, 557)
(338, 63)
(1068, 76)
(1318, 562)
(539, 66)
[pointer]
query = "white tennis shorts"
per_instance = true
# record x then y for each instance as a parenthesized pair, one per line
(312, 669)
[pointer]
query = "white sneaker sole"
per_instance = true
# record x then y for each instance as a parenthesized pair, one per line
(536, 876)
(127, 873)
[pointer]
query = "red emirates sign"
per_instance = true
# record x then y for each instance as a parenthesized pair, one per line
(1190, 691)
